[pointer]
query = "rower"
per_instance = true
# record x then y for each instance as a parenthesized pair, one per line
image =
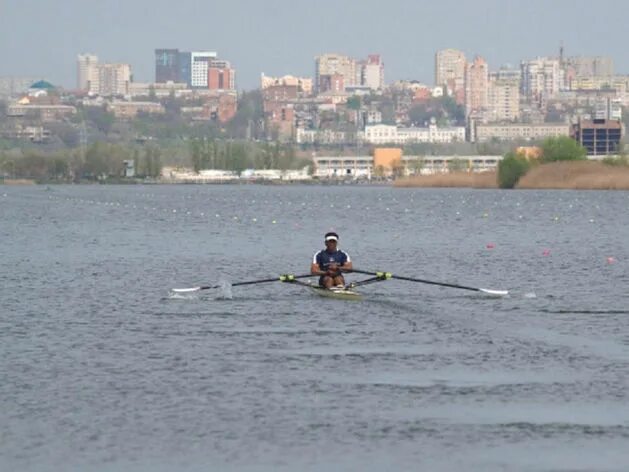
(329, 262)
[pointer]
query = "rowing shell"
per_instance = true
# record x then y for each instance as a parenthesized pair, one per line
(338, 293)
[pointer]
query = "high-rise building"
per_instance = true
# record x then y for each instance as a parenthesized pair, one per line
(167, 67)
(221, 76)
(185, 68)
(86, 71)
(199, 67)
(542, 78)
(372, 73)
(113, 79)
(328, 65)
(606, 108)
(476, 86)
(504, 95)
(450, 67)
(591, 66)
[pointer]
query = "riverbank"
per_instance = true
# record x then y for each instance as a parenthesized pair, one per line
(452, 179)
(17, 182)
(576, 175)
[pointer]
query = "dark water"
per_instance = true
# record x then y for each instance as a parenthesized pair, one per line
(101, 369)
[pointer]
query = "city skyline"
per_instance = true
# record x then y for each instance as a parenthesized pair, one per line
(254, 36)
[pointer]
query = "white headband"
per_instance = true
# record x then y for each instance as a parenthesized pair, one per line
(331, 238)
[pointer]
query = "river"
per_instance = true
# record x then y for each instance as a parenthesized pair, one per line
(102, 368)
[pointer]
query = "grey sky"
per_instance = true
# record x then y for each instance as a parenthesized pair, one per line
(41, 38)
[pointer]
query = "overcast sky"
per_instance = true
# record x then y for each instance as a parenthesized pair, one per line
(41, 38)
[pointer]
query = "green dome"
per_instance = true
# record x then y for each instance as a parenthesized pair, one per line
(42, 84)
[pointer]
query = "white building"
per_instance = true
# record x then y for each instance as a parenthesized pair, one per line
(608, 109)
(323, 136)
(388, 134)
(519, 131)
(542, 78)
(337, 167)
(86, 71)
(430, 165)
(372, 75)
(362, 167)
(199, 65)
(450, 67)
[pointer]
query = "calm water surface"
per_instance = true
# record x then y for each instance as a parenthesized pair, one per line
(102, 369)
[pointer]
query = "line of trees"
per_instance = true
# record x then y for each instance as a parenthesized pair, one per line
(99, 161)
(240, 155)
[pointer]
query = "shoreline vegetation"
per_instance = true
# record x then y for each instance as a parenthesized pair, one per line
(561, 175)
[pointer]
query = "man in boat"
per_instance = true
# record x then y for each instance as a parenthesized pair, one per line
(329, 262)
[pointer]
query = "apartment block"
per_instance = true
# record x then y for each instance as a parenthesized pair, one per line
(608, 109)
(388, 134)
(476, 86)
(372, 72)
(126, 110)
(542, 79)
(342, 68)
(45, 113)
(113, 79)
(450, 66)
(87, 73)
(280, 93)
(221, 76)
(518, 131)
(583, 66)
(504, 96)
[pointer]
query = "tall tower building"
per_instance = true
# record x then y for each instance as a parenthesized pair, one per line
(372, 74)
(476, 86)
(504, 95)
(541, 79)
(86, 71)
(450, 72)
(113, 79)
(221, 76)
(167, 65)
(328, 65)
(199, 67)
(185, 68)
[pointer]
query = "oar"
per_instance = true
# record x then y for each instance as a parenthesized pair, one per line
(388, 275)
(281, 278)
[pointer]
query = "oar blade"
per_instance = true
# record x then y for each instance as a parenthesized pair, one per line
(185, 290)
(497, 293)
